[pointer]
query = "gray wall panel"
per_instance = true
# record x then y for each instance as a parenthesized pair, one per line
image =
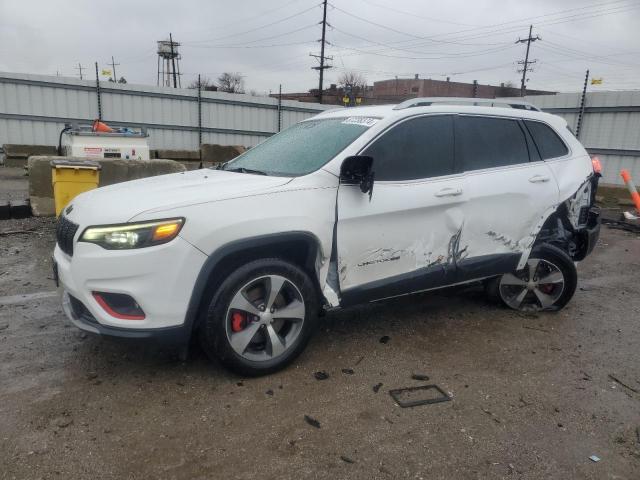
(33, 109)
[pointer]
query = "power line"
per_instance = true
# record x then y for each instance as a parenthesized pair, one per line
(570, 52)
(414, 15)
(390, 47)
(249, 42)
(455, 55)
(308, 42)
(510, 29)
(259, 27)
(245, 20)
(525, 63)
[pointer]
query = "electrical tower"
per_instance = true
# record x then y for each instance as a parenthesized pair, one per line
(526, 62)
(323, 66)
(168, 63)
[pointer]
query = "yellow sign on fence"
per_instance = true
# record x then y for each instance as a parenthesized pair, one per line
(596, 81)
(106, 72)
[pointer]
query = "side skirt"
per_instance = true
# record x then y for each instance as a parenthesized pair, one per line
(431, 278)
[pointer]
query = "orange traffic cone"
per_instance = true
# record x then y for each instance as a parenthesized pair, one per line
(635, 196)
(98, 126)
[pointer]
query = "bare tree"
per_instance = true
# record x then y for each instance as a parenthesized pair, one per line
(231, 82)
(207, 84)
(356, 81)
(506, 89)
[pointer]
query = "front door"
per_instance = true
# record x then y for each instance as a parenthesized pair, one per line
(406, 237)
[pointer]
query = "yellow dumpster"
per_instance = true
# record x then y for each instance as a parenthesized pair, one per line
(72, 177)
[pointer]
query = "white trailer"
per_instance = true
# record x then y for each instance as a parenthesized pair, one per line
(125, 143)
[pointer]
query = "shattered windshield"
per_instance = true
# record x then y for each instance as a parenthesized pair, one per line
(302, 148)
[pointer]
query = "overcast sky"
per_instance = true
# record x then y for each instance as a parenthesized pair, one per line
(269, 42)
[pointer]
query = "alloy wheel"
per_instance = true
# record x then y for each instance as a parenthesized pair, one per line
(265, 317)
(536, 287)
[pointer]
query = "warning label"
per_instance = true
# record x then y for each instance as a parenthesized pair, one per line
(93, 151)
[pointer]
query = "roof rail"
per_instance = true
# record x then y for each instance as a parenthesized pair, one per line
(485, 102)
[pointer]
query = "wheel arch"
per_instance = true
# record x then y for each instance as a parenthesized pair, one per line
(299, 247)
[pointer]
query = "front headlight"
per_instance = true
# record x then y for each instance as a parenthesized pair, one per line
(133, 235)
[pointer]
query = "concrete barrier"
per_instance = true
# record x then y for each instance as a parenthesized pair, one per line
(17, 155)
(113, 171)
(193, 155)
(213, 154)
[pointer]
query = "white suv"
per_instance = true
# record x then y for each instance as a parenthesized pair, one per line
(354, 205)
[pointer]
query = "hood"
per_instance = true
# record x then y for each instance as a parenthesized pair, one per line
(121, 202)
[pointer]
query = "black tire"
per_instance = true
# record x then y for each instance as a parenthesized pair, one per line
(552, 256)
(214, 332)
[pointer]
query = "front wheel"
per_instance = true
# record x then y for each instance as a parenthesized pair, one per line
(547, 282)
(261, 317)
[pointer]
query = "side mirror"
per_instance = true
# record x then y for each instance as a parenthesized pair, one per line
(358, 170)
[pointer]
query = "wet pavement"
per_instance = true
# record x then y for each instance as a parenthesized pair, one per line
(533, 396)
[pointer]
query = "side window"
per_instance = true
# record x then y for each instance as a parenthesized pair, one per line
(549, 143)
(422, 147)
(485, 142)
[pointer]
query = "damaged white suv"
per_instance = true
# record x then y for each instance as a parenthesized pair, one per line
(354, 205)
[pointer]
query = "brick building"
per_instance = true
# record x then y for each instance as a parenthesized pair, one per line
(399, 89)
(418, 87)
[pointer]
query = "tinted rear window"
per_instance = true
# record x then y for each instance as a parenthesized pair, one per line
(549, 143)
(484, 142)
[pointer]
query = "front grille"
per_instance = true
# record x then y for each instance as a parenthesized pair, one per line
(65, 231)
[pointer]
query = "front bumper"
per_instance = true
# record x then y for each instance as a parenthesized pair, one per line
(160, 279)
(82, 318)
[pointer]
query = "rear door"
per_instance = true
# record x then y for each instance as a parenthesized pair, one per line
(508, 190)
(400, 240)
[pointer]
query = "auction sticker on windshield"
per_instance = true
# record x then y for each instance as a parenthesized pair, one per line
(364, 121)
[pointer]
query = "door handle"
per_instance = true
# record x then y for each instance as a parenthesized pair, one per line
(539, 179)
(449, 192)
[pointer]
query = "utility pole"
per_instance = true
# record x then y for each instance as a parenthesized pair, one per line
(80, 68)
(582, 105)
(280, 107)
(98, 94)
(199, 112)
(321, 57)
(173, 62)
(525, 63)
(113, 66)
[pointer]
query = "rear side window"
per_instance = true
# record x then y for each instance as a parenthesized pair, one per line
(549, 143)
(484, 142)
(422, 147)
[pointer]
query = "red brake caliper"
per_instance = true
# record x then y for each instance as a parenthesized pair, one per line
(238, 321)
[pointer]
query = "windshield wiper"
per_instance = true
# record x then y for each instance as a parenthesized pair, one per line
(245, 170)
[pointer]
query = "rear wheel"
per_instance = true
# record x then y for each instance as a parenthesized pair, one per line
(261, 317)
(547, 282)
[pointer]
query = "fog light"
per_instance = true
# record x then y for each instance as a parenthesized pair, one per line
(119, 305)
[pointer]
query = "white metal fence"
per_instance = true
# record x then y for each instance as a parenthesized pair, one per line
(34, 108)
(610, 127)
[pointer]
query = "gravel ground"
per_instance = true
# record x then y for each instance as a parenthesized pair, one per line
(533, 396)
